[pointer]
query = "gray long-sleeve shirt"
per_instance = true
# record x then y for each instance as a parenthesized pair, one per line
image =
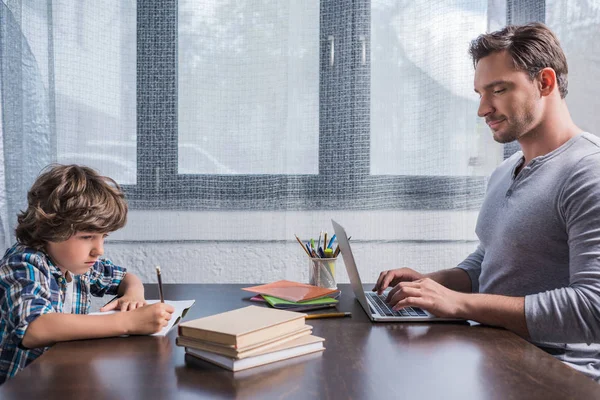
(539, 234)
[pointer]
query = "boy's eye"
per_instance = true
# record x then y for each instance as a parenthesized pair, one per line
(86, 237)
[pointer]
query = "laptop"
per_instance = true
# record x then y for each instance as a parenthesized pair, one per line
(372, 303)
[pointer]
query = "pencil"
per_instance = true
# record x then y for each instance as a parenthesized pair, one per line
(302, 244)
(337, 251)
(329, 315)
(160, 290)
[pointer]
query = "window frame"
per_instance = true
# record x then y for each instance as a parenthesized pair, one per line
(344, 143)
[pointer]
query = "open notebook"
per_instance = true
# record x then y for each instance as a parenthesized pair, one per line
(181, 308)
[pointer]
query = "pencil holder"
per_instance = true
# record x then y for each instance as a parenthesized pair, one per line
(321, 272)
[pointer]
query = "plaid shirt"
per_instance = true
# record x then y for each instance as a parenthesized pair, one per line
(31, 285)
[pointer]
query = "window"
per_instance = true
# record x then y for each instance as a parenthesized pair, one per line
(248, 77)
(423, 108)
(571, 20)
(94, 70)
(361, 139)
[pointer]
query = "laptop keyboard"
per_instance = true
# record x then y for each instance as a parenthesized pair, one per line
(378, 301)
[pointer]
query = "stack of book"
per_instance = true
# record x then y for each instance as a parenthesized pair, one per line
(248, 337)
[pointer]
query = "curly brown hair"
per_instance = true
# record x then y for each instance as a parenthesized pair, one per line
(532, 47)
(66, 199)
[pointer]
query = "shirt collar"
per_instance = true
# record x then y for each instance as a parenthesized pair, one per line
(53, 268)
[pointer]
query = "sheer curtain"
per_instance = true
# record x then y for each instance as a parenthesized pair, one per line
(571, 21)
(233, 125)
(27, 134)
(68, 92)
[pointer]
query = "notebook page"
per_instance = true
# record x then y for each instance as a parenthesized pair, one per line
(180, 306)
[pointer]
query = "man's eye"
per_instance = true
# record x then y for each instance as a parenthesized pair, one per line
(86, 237)
(499, 91)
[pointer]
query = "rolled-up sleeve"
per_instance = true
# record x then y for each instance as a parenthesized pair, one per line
(105, 278)
(26, 295)
(572, 314)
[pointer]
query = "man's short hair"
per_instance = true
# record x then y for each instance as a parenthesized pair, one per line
(532, 47)
(66, 199)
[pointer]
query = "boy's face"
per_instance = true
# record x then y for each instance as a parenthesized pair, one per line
(78, 253)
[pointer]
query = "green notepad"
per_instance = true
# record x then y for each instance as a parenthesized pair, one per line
(281, 303)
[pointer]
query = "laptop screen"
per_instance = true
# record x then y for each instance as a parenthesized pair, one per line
(350, 264)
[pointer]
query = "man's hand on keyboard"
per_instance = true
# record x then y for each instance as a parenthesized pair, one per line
(429, 295)
(394, 276)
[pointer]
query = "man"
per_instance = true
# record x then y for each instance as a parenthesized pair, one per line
(536, 270)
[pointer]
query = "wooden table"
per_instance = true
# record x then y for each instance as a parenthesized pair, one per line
(362, 360)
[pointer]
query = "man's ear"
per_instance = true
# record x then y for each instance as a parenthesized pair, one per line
(547, 81)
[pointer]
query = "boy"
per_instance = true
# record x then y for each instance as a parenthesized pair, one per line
(46, 278)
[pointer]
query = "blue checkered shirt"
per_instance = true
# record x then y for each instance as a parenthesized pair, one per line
(31, 285)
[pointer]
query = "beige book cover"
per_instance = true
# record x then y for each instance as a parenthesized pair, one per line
(303, 345)
(244, 326)
(231, 351)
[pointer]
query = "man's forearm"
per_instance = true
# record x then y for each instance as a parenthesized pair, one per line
(454, 279)
(51, 328)
(131, 284)
(503, 311)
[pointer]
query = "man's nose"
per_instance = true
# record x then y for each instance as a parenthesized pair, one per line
(485, 108)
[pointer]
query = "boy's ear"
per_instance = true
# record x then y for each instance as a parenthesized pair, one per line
(547, 81)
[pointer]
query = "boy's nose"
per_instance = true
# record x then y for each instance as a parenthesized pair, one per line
(98, 250)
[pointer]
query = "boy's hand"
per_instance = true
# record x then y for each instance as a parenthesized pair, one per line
(148, 319)
(125, 303)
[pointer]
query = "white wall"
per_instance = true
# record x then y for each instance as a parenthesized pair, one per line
(244, 247)
(251, 262)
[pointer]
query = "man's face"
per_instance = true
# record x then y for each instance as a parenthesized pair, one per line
(78, 253)
(510, 101)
